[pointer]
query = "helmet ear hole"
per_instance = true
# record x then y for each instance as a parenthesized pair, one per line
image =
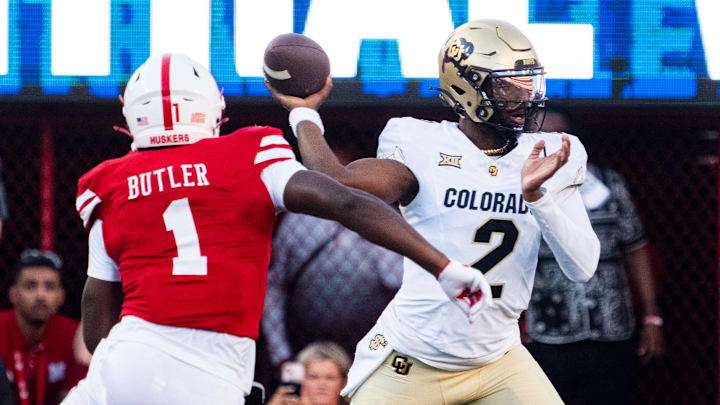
(458, 90)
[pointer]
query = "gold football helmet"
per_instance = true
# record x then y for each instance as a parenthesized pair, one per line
(488, 65)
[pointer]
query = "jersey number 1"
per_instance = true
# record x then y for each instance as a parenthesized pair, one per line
(488, 262)
(178, 219)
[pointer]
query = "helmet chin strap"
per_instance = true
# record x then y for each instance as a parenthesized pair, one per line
(510, 134)
(506, 132)
(122, 130)
(222, 121)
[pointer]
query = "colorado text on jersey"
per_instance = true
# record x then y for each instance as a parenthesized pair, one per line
(495, 202)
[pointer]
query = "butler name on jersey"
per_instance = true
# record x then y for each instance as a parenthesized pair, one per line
(470, 205)
(193, 175)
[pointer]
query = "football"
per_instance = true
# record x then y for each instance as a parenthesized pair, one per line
(295, 65)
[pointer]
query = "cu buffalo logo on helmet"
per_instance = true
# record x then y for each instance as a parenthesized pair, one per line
(457, 52)
(377, 342)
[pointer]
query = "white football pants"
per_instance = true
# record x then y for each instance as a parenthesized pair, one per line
(130, 373)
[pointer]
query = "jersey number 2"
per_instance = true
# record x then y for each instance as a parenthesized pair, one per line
(178, 219)
(483, 235)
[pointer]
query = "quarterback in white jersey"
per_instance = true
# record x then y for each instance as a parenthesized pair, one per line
(483, 190)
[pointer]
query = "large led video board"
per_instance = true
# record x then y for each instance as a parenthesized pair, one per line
(642, 50)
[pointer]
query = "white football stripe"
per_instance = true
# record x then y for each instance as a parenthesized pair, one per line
(276, 74)
(82, 198)
(87, 211)
(274, 153)
(273, 140)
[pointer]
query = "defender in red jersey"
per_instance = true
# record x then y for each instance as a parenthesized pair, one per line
(181, 237)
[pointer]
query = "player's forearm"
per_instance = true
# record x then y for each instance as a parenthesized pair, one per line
(312, 193)
(100, 308)
(568, 232)
(380, 224)
(316, 153)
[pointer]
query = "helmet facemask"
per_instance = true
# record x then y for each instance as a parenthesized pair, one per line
(509, 98)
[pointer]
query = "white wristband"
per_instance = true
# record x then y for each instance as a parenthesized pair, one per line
(297, 115)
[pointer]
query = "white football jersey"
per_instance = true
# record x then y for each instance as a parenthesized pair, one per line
(469, 206)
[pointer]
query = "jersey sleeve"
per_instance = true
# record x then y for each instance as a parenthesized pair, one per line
(393, 143)
(100, 264)
(277, 163)
(399, 141)
(88, 201)
(566, 228)
(572, 173)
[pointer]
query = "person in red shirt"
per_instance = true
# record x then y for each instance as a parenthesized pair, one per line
(179, 234)
(35, 342)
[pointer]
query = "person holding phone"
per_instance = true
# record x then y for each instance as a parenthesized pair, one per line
(325, 372)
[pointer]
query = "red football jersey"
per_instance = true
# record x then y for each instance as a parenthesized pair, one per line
(189, 228)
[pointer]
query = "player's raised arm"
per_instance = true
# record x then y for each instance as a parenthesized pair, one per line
(565, 225)
(316, 194)
(387, 179)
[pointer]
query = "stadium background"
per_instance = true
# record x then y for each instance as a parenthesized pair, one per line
(654, 117)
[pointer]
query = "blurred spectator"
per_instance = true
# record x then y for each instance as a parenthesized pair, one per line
(5, 395)
(35, 341)
(3, 202)
(583, 333)
(325, 283)
(326, 367)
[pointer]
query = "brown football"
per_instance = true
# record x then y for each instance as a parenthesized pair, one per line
(295, 65)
